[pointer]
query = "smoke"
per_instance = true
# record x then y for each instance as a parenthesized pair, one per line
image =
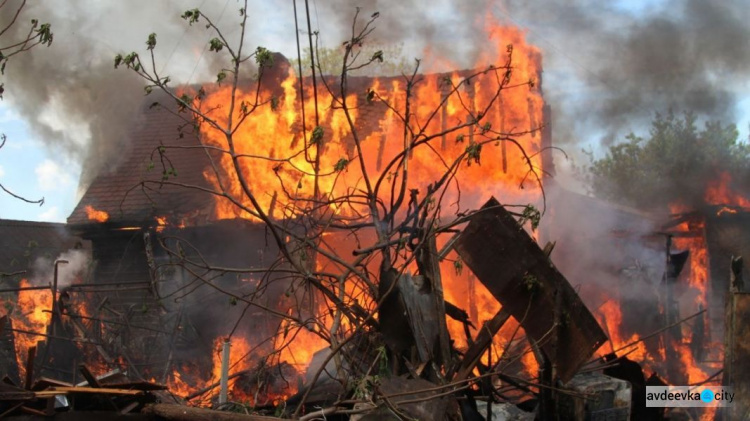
(616, 67)
(79, 263)
(608, 67)
(70, 94)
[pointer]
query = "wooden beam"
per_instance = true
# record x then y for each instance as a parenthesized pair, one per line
(484, 339)
(736, 349)
(520, 276)
(186, 413)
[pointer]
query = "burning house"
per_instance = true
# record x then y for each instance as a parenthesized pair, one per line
(194, 283)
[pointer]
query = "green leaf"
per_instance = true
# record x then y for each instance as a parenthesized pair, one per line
(191, 16)
(221, 76)
(184, 102)
(341, 165)
(263, 57)
(151, 41)
(473, 152)
(45, 34)
(531, 214)
(215, 45)
(317, 135)
(458, 266)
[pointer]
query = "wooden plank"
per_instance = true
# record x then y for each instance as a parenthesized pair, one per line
(142, 385)
(737, 345)
(484, 339)
(30, 367)
(429, 268)
(89, 376)
(63, 390)
(45, 382)
(187, 413)
(13, 393)
(513, 268)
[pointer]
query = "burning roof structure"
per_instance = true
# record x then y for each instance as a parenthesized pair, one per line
(279, 261)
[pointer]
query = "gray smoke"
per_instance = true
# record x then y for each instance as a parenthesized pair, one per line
(622, 67)
(76, 270)
(608, 69)
(70, 93)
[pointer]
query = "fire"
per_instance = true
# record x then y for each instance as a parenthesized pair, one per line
(720, 192)
(274, 130)
(188, 378)
(610, 316)
(301, 348)
(695, 242)
(96, 215)
(277, 154)
(462, 289)
(29, 315)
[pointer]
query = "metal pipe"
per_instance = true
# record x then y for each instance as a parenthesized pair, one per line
(79, 340)
(114, 322)
(103, 284)
(54, 295)
(24, 289)
(224, 371)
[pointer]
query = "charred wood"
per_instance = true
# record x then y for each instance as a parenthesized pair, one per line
(520, 276)
(185, 413)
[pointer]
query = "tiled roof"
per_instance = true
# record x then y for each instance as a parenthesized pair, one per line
(23, 242)
(118, 192)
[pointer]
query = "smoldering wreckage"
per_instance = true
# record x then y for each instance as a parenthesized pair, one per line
(157, 303)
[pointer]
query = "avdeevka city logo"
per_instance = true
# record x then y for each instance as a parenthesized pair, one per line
(686, 396)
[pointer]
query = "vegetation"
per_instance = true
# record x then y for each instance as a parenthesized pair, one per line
(389, 60)
(673, 164)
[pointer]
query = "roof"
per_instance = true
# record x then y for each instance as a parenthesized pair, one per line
(23, 242)
(118, 193)
(121, 194)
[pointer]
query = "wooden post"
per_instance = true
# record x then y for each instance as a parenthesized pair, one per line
(431, 270)
(675, 372)
(224, 371)
(736, 348)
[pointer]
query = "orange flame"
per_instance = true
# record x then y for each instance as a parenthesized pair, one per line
(29, 315)
(276, 154)
(274, 130)
(720, 192)
(96, 215)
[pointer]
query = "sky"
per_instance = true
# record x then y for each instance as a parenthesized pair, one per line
(608, 66)
(30, 169)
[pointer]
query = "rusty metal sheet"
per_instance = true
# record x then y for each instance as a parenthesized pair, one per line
(523, 279)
